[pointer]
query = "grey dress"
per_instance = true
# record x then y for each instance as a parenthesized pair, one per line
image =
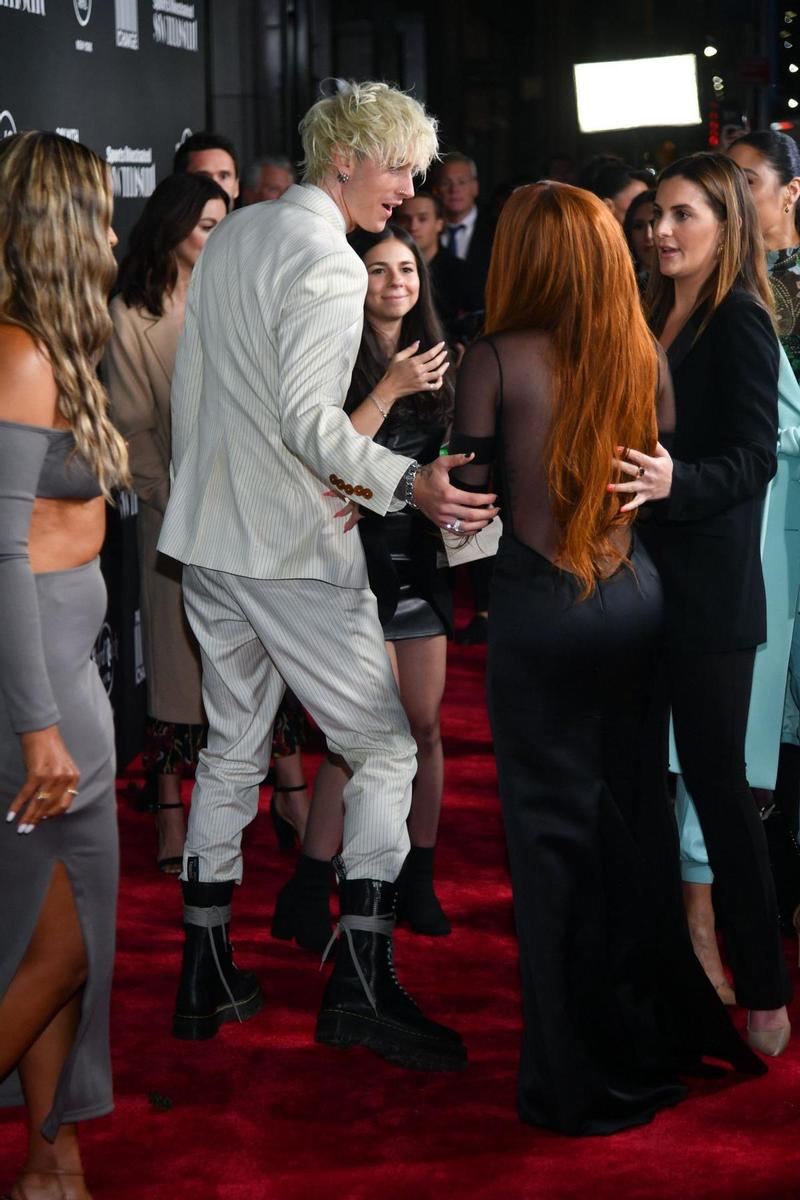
(47, 676)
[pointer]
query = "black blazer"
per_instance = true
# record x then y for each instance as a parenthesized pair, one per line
(479, 252)
(705, 537)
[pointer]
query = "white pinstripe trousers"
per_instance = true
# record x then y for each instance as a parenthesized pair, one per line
(257, 636)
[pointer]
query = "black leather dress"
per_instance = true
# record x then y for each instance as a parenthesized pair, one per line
(405, 558)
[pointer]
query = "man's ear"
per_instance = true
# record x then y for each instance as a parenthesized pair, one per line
(342, 161)
(609, 203)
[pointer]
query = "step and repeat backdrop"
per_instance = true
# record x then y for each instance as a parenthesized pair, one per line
(128, 79)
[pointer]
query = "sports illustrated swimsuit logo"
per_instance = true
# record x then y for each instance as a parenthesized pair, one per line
(35, 8)
(83, 14)
(74, 135)
(126, 13)
(187, 133)
(132, 171)
(7, 126)
(175, 24)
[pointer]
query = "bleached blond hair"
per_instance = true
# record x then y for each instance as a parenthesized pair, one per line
(371, 121)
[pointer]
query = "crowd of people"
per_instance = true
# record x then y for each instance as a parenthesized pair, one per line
(318, 398)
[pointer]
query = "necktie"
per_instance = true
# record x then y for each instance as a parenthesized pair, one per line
(452, 238)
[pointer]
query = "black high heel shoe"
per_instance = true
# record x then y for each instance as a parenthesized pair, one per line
(285, 832)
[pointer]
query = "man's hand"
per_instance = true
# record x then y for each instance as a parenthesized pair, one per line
(447, 506)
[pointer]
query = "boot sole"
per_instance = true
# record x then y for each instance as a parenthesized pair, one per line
(406, 1049)
(201, 1028)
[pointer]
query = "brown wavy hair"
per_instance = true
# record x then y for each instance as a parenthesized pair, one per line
(56, 269)
(741, 262)
(561, 264)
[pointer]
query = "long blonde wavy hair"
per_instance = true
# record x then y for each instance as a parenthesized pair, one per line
(56, 268)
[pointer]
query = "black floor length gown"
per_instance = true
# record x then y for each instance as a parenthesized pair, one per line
(615, 1002)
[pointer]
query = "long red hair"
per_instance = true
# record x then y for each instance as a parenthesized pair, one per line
(560, 264)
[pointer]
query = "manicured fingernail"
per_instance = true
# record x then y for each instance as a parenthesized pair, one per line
(23, 828)
(11, 816)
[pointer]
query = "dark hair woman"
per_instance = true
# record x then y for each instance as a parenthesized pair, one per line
(60, 456)
(399, 396)
(565, 373)
(638, 230)
(709, 304)
(148, 316)
(771, 162)
(617, 184)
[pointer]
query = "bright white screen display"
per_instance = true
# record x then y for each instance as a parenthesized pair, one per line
(637, 92)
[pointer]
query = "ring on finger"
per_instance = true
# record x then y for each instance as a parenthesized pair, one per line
(450, 526)
(72, 791)
(640, 472)
(42, 796)
(456, 527)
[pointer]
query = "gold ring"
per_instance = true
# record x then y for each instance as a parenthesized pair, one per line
(72, 791)
(42, 796)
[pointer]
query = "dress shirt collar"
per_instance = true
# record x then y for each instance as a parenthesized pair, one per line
(465, 226)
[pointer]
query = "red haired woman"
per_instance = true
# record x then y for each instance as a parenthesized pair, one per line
(614, 1002)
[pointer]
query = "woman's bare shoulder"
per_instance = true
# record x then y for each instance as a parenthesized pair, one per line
(28, 390)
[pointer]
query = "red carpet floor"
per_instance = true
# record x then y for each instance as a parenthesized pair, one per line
(263, 1113)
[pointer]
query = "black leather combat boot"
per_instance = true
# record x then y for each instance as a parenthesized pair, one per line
(303, 906)
(211, 989)
(364, 1004)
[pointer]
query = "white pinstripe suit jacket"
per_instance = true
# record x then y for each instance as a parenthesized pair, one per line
(273, 324)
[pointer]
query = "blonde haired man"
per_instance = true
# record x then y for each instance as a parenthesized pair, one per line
(275, 590)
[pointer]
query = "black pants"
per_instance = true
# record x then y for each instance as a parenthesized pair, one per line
(579, 716)
(710, 696)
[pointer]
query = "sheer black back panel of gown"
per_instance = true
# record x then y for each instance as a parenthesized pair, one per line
(613, 997)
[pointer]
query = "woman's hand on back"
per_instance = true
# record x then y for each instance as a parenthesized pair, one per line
(652, 476)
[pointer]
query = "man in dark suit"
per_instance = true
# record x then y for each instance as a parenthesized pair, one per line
(454, 294)
(468, 232)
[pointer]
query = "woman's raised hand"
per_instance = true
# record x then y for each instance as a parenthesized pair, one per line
(410, 372)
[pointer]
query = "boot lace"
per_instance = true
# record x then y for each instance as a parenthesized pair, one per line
(209, 919)
(349, 922)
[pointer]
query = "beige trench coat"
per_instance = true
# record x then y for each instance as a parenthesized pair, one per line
(138, 366)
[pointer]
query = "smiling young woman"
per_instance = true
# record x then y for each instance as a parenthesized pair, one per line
(709, 304)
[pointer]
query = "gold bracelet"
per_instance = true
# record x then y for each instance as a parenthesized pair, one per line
(384, 412)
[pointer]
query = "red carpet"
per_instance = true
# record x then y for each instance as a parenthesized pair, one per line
(263, 1113)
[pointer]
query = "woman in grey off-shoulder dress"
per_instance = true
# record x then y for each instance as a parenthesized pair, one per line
(59, 458)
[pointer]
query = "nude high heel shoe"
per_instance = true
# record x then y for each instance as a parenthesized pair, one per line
(770, 1042)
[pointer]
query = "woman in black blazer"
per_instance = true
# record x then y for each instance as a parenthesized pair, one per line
(708, 305)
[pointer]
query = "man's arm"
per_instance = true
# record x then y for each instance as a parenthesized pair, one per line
(317, 337)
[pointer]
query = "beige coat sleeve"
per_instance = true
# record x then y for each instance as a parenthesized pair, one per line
(133, 406)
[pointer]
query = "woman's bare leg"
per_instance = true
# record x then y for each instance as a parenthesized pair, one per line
(422, 664)
(293, 805)
(39, 1016)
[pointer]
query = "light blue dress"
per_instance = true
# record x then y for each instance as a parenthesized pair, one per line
(774, 703)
